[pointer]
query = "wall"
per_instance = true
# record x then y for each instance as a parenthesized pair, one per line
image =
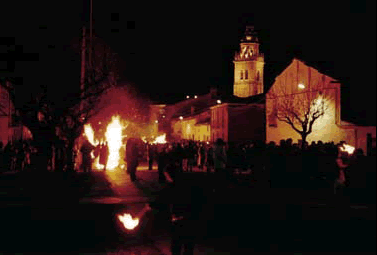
(247, 123)
(361, 137)
(188, 129)
(219, 122)
(328, 128)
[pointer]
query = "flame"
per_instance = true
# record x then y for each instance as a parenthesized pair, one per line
(89, 133)
(347, 148)
(160, 139)
(114, 140)
(128, 222)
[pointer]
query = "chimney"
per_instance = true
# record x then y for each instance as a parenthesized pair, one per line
(213, 92)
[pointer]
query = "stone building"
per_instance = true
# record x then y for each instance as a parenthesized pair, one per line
(11, 129)
(300, 84)
(234, 118)
(248, 66)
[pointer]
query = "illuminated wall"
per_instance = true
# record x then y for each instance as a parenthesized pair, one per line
(301, 79)
(248, 66)
(189, 128)
(219, 122)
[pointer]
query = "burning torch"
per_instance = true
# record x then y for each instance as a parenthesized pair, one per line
(130, 223)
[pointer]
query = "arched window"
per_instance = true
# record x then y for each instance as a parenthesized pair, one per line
(246, 75)
(241, 75)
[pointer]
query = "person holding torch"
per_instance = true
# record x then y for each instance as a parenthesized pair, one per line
(343, 162)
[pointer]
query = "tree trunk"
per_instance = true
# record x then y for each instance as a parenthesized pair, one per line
(70, 155)
(303, 138)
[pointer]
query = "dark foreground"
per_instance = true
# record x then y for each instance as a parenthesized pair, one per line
(238, 220)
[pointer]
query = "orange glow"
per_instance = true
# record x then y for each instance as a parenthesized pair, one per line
(301, 86)
(128, 222)
(347, 148)
(160, 139)
(89, 133)
(114, 140)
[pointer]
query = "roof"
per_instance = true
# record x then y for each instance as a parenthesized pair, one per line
(205, 121)
(257, 99)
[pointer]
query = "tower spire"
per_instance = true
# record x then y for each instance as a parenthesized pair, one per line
(248, 66)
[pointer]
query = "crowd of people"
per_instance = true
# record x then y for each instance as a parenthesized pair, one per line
(286, 163)
(275, 162)
(16, 156)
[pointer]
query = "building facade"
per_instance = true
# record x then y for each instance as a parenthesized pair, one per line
(248, 66)
(11, 129)
(298, 86)
(234, 118)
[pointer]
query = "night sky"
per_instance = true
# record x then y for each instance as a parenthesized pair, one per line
(171, 50)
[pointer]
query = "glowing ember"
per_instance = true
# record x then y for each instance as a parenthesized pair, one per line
(160, 139)
(347, 148)
(114, 140)
(128, 222)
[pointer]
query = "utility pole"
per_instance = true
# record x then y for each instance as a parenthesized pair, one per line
(83, 49)
(90, 63)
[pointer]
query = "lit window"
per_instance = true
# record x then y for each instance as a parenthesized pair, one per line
(180, 117)
(195, 96)
(219, 101)
(156, 121)
(187, 97)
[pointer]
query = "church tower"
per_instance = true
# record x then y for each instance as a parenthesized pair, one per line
(248, 66)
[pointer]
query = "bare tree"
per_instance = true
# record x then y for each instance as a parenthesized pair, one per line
(299, 110)
(60, 112)
(101, 76)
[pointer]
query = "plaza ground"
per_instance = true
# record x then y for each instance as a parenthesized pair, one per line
(78, 214)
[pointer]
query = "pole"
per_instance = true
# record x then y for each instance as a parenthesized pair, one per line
(83, 47)
(90, 39)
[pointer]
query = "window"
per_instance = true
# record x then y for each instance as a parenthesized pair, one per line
(258, 76)
(246, 75)
(241, 75)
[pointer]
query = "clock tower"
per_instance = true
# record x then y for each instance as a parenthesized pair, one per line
(248, 66)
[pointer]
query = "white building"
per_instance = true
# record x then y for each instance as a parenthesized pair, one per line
(299, 83)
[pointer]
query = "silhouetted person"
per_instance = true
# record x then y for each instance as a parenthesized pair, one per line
(163, 160)
(202, 156)
(104, 155)
(86, 150)
(151, 156)
(220, 162)
(132, 157)
(185, 203)
(190, 157)
(342, 162)
(210, 164)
